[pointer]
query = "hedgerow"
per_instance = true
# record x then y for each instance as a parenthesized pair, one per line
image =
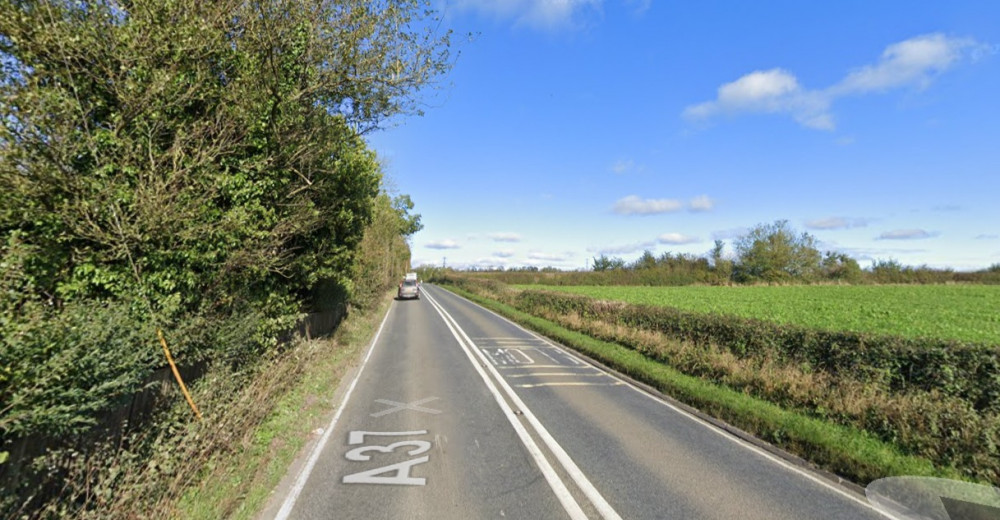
(934, 398)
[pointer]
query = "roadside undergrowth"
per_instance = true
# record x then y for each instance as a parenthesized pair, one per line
(254, 423)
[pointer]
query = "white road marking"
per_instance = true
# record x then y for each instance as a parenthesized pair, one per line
(558, 487)
(581, 480)
(573, 374)
(300, 482)
(396, 407)
(568, 383)
(526, 367)
(542, 352)
(711, 427)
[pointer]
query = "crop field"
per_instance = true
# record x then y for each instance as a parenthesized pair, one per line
(960, 312)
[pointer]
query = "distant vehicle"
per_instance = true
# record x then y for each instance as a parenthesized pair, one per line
(409, 289)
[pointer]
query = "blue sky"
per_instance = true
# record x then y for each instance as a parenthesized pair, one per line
(572, 128)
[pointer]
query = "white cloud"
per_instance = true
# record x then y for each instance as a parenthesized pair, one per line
(677, 239)
(623, 249)
(987, 236)
(906, 234)
(505, 237)
(542, 14)
(837, 223)
(547, 257)
(506, 253)
(634, 205)
(914, 62)
(767, 92)
(868, 254)
(701, 203)
(911, 62)
(442, 244)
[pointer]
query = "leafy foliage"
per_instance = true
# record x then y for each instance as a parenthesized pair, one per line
(773, 252)
(191, 166)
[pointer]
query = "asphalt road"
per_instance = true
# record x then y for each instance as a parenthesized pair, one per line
(458, 413)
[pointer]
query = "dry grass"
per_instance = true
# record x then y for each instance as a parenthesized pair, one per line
(223, 466)
(943, 429)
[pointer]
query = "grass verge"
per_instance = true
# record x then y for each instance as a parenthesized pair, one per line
(237, 484)
(852, 453)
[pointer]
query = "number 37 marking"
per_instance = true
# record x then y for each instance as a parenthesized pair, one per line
(393, 474)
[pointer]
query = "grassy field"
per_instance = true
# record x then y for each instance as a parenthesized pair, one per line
(961, 312)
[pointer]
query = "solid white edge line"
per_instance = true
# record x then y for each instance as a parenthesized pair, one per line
(718, 431)
(603, 507)
(559, 488)
(300, 481)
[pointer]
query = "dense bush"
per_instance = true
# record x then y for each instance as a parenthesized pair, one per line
(196, 167)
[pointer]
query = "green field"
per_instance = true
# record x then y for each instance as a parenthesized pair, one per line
(961, 312)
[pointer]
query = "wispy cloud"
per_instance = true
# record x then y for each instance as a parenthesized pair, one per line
(639, 7)
(623, 166)
(729, 234)
(505, 237)
(547, 257)
(506, 253)
(867, 253)
(622, 249)
(442, 244)
(987, 236)
(909, 63)
(837, 223)
(635, 205)
(906, 234)
(539, 14)
(677, 239)
(701, 203)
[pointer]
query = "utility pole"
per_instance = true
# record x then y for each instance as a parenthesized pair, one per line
(444, 262)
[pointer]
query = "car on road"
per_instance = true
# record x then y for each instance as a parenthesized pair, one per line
(408, 289)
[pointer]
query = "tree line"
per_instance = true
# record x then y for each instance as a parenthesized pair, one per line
(767, 253)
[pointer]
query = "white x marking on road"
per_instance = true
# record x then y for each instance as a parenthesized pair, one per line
(396, 407)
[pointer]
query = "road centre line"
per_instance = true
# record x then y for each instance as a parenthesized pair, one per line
(555, 482)
(581, 480)
(300, 481)
(715, 429)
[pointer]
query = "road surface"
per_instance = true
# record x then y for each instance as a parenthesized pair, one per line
(459, 413)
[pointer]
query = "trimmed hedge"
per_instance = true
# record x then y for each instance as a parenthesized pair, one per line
(931, 398)
(968, 371)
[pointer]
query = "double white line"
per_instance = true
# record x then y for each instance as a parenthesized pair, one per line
(569, 503)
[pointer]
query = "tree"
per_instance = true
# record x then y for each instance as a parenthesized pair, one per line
(646, 261)
(839, 266)
(774, 252)
(198, 164)
(606, 263)
(722, 266)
